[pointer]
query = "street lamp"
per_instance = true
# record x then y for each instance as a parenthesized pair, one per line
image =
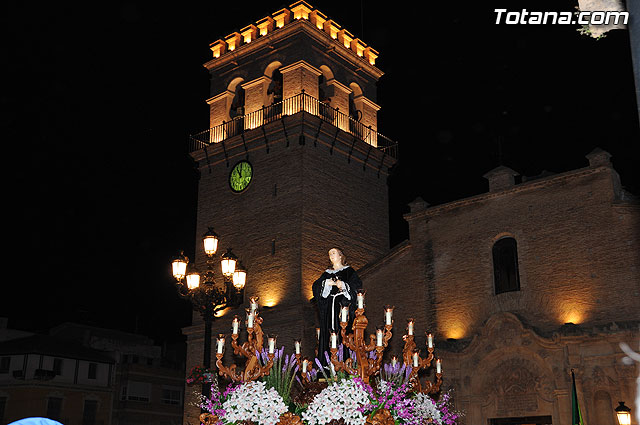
(205, 295)
(228, 263)
(623, 413)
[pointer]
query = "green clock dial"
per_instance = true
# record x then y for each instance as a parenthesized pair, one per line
(240, 176)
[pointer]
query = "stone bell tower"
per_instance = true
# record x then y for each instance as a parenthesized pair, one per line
(294, 97)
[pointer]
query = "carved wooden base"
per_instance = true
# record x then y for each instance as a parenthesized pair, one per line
(381, 417)
(208, 419)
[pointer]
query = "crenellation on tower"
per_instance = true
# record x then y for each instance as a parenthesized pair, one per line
(297, 11)
(311, 50)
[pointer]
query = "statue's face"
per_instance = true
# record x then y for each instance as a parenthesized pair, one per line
(334, 256)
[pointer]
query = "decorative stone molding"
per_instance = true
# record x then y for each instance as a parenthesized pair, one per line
(297, 11)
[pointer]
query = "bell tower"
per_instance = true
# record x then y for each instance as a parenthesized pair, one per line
(292, 163)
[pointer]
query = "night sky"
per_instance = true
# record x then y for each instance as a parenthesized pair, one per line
(98, 101)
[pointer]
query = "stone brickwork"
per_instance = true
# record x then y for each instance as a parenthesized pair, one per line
(300, 77)
(573, 239)
(578, 250)
(255, 93)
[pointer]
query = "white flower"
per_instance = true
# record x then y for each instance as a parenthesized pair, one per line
(425, 408)
(340, 400)
(254, 402)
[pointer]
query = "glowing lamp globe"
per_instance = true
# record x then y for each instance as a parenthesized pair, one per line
(228, 263)
(193, 279)
(210, 242)
(179, 266)
(239, 277)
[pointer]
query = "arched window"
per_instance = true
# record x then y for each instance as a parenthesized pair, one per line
(237, 104)
(603, 408)
(274, 91)
(505, 265)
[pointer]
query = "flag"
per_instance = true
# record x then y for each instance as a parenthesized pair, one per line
(576, 416)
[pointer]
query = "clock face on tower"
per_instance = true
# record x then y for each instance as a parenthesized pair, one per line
(240, 176)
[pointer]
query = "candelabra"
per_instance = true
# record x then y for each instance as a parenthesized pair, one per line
(250, 349)
(305, 366)
(365, 366)
(411, 357)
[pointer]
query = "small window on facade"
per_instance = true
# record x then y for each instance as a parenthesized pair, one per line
(505, 266)
(93, 369)
(57, 366)
(54, 407)
(5, 363)
(172, 396)
(89, 412)
(136, 391)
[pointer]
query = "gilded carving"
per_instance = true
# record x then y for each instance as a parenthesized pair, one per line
(290, 419)
(381, 417)
(208, 419)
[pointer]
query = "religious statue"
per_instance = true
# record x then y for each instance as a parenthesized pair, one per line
(337, 287)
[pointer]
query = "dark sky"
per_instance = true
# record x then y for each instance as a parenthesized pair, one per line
(98, 101)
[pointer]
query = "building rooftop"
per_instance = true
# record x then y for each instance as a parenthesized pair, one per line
(51, 346)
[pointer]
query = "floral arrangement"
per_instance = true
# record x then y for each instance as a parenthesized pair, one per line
(346, 399)
(199, 375)
(253, 401)
(341, 400)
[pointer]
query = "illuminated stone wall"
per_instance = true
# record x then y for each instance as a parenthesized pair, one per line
(510, 355)
(577, 240)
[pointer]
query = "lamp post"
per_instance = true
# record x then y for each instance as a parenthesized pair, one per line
(623, 413)
(207, 297)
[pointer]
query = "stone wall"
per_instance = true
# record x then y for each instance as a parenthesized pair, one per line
(510, 355)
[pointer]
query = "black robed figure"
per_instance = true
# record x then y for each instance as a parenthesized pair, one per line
(336, 287)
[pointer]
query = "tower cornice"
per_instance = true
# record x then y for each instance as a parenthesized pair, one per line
(268, 41)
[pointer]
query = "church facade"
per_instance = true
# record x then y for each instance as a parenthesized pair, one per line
(519, 285)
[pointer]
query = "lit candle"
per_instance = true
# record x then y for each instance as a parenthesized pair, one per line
(318, 334)
(344, 314)
(430, 340)
(388, 315)
(360, 299)
(297, 343)
(394, 361)
(253, 304)
(334, 340)
(379, 335)
(305, 365)
(272, 344)
(410, 327)
(416, 358)
(235, 324)
(438, 366)
(250, 318)
(220, 343)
